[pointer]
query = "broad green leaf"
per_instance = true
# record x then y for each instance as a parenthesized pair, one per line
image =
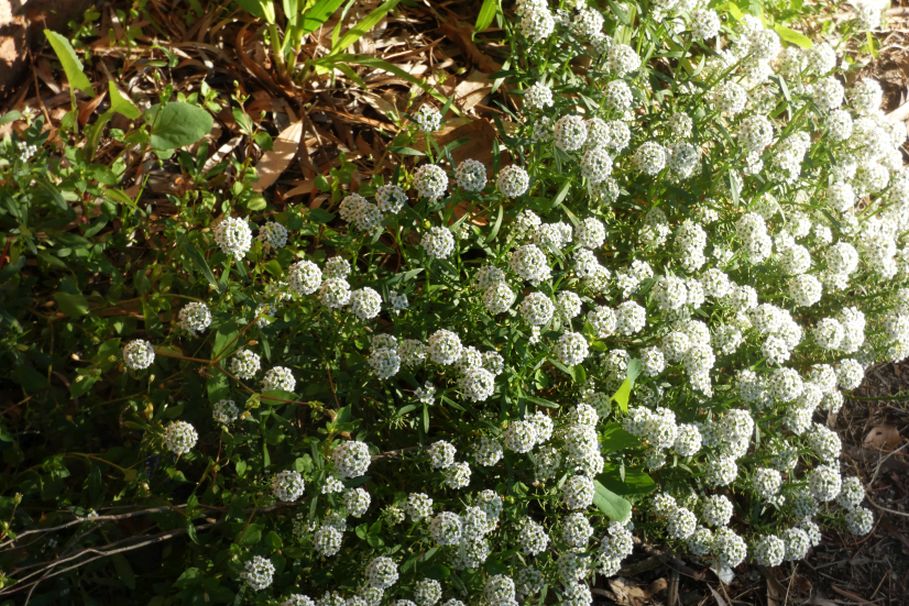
(615, 439)
(318, 14)
(176, 124)
(487, 14)
(612, 505)
(291, 11)
(72, 67)
(263, 9)
(8, 117)
(623, 393)
(364, 26)
(635, 482)
(121, 104)
(793, 37)
(70, 304)
(225, 338)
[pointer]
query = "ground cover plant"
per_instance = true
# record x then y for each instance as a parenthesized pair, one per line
(482, 380)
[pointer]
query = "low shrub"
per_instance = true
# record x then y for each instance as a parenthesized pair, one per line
(484, 380)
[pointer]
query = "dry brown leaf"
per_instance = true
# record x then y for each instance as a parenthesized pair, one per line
(460, 33)
(627, 594)
(472, 90)
(221, 153)
(476, 136)
(307, 187)
(883, 437)
(276, 160)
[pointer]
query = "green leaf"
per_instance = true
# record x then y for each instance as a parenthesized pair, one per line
(623, 393)
(256, 203)
(70, 304)
(793, 37)
(263, 9)
(8, 117)
(487, 14)
(72, 67)
(195, 257)
(615, 439)
(250, 535)
(635, 482)
(121, 104)
(612, 505)
(364, 26)
(318, 14)
(225, 337)
(177, 124)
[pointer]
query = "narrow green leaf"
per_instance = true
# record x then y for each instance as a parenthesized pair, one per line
(364, 26)
(318, 14)
(177, 124)
(121, 104)
(612, 505)
(72, 67)
(623, 393)
(195, 257)
(487, 14)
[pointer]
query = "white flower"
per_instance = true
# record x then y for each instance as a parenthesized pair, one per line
(233, 236)
(382, 573)
(258, 573)
(225, 412)
(537, 96)
(390, 198)
(430, 181)
(245, 364)
(351, 459)
(571, 348)
(570, 133)
(304, 277)
(273, 234)
(138, 354)
(512, 181)
(180, 437)
(428, 118)
(287, 485)
(279, 378)
(194, 317)
(471, 175)
(438, 242)
(444, 347)
(365, 303)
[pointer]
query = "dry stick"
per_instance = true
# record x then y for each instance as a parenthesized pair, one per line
(164, 536)
(99, 518)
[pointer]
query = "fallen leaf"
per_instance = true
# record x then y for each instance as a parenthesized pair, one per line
(221, 153)
(472, 90)
(883, 437)
(627, 594)
(276, 160)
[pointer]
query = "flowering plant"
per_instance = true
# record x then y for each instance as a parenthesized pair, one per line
(695, 245)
